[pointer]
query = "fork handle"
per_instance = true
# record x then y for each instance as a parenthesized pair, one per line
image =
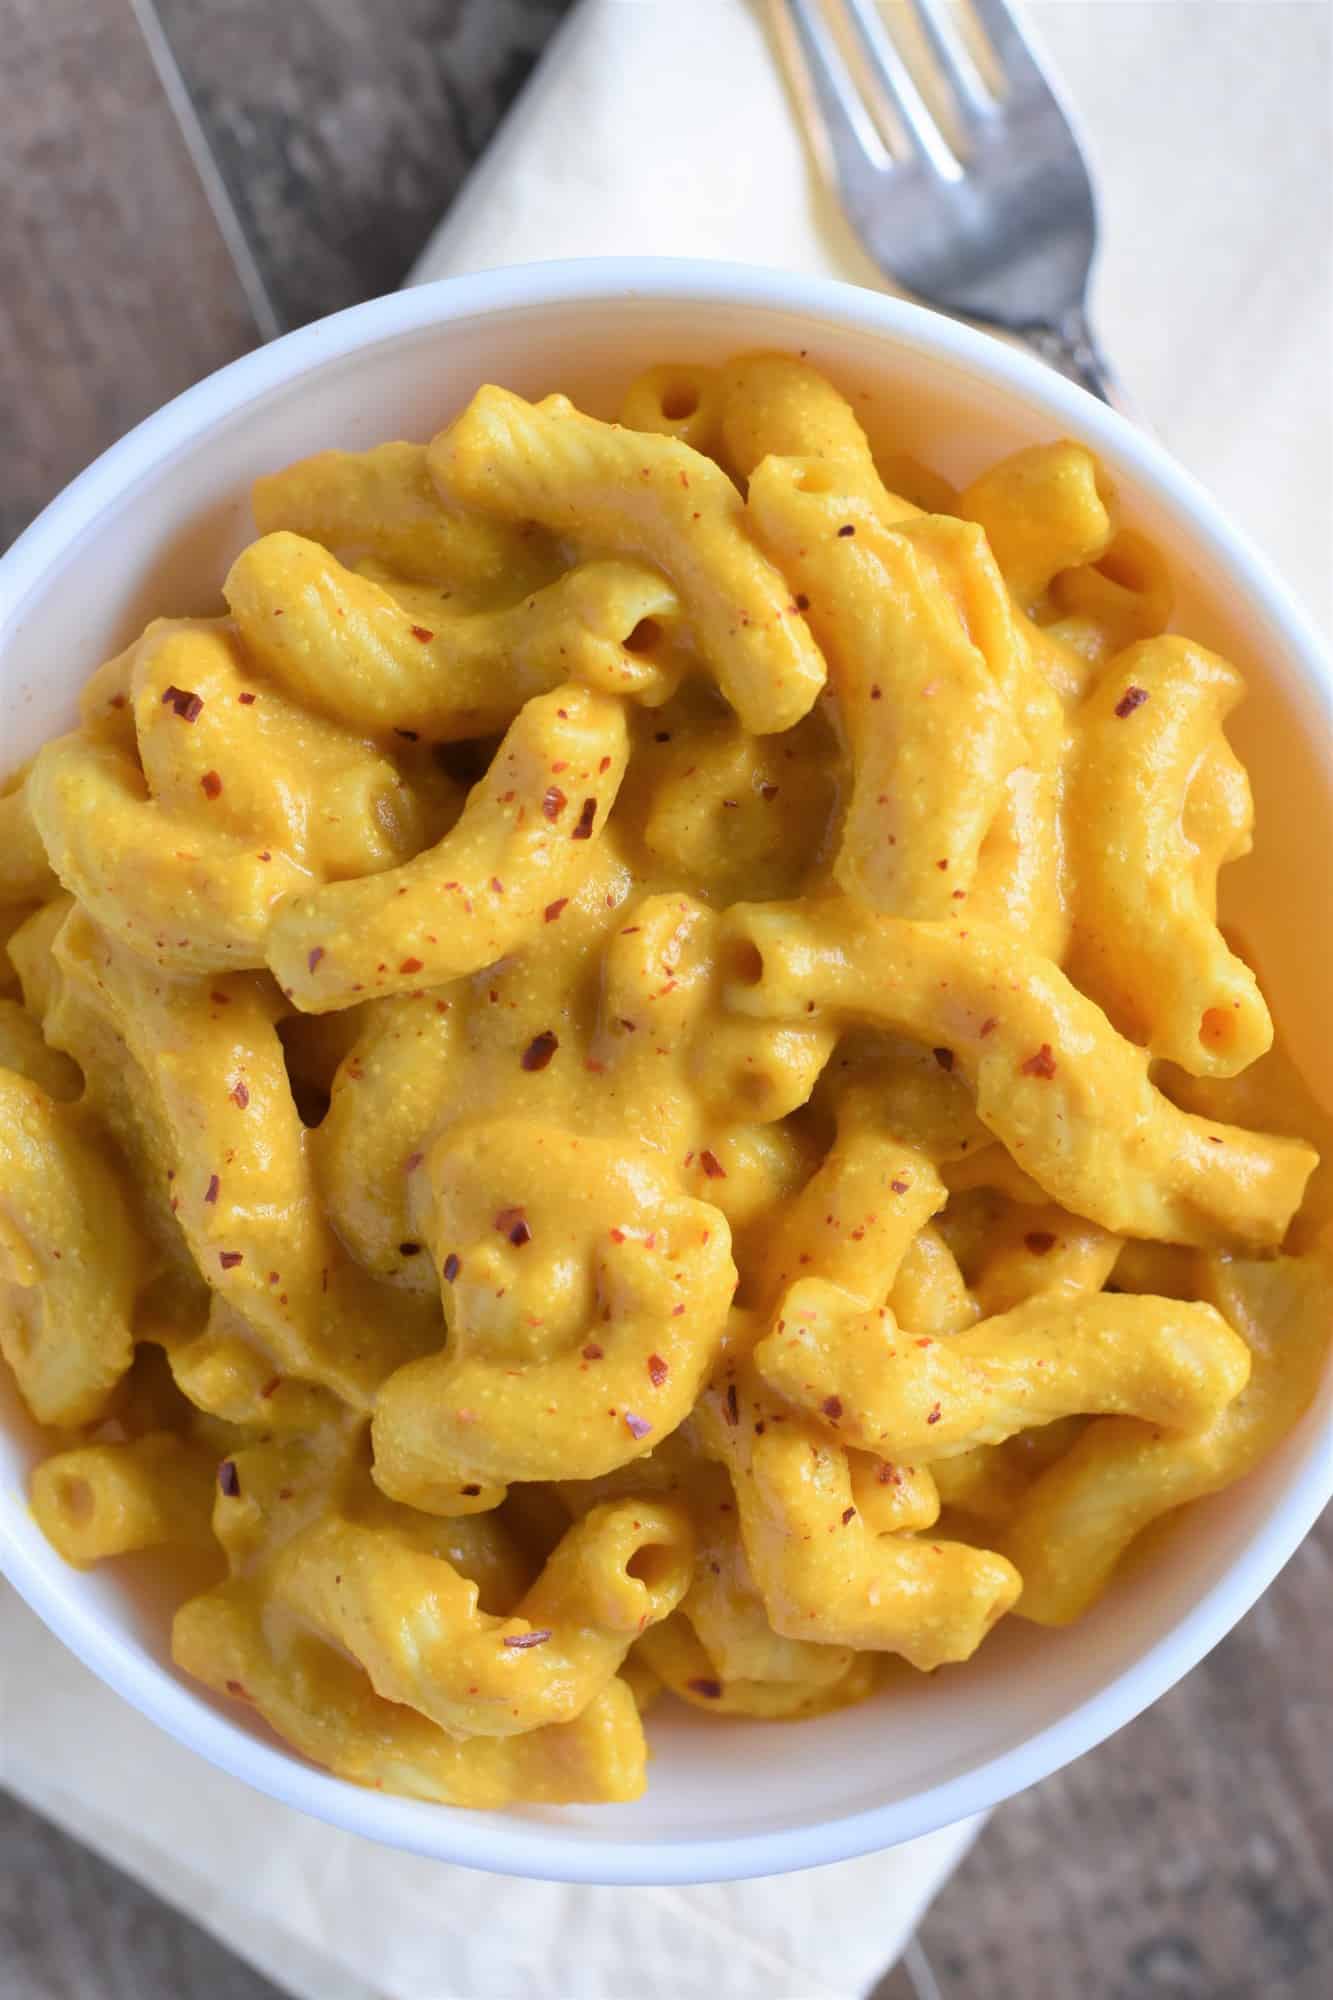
(1071, 347)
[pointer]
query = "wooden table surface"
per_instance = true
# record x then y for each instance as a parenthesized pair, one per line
(184, 182)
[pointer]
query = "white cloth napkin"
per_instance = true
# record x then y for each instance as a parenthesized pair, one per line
(664, 126)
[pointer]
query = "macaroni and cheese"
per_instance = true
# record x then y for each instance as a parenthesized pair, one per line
(623, 1078)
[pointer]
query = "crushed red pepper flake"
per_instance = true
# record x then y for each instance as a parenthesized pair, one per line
(657, 1370)
(712, 1166)
(411, 965)
(1039, 1241)
(469, 1492)
(229, 1259)
(513, 1223)
(731, 1405)
(768, 793)
(1131, 699)
(239, 1094)
(847, 529)
(422, 632)
(451, 1267)
(554, 802)
(408, 735)
(1041, 1064)
(313, 956)
(933, 1415)
(409, 1249)
(802, 601)
(638, 1427)
(832, 1408)
(553, 910)
(900, 1186)
(592, 1352)
(520, 1640)
(246, 699)
(876, 692)
(229, 1479)
(211, 1191)
(211, 785)
(989, 1025)
(848, 1514)
(944, 1057)
(186, 703)
(583, 831)
(540, 1049)
(710, 1689)
(220, 999)
(888, 1475)
(271, 1387)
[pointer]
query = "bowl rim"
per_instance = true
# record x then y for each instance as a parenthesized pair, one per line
(542, 1850)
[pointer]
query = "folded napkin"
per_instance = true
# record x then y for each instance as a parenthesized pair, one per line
(665, 126)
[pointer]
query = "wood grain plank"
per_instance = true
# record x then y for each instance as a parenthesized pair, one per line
(344, 130)
(1191, 1857)
(74, 1928)
(116, 288)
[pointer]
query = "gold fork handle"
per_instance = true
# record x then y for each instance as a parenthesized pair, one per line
(1071, 347)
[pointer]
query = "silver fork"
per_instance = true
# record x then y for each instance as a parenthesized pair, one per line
(1000, 227)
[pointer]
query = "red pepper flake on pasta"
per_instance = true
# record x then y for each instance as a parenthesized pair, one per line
(239, 1094)
(211, 1191)
(657, 1370)
(412, 1162)
(934, 1415)
(422, 632)
(408, 735)
(888, 1475)
(229, 1479)
(540, 1050)
(519, 1641)
(848, 1514)
(245, 699)
(553, 802)
(211, 785)
(409, 1249)
(832, 1408)
(513, 1223)
(712, 1166)
(187, 705)
(1131, 699)
(240, 1690)
(1039, 1241)
(802, 601)
(846, 529)
(229, 1259)
(711, 1690)
(731, 1405)
(410, 965)
(638, 1427)
(451, 1267)
(313, 956)
(1042, 1064)
(469, 1492)
(988, 1026)
(552, 910)
(592, 1352)
(944, 1057)
(583, 831)
(900, 1186)
(271, 1387)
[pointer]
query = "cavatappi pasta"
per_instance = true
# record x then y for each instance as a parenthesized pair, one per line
(623, 1078)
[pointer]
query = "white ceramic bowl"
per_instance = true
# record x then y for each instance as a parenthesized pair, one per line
(151, 528)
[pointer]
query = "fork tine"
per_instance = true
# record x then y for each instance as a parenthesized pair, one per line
(858, 151)
(1018, 65)
(896, 81)
(974, 103)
